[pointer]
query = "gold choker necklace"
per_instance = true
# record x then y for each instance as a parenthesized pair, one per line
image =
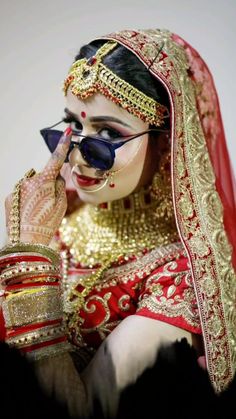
(124, 228)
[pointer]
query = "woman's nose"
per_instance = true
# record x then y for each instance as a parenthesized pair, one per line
(75, 157)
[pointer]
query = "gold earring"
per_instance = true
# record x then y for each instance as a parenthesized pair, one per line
(111, 180)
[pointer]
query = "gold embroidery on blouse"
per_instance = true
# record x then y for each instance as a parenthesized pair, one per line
(123, 302)
(139, 268)
(171, 307)
(76, 330)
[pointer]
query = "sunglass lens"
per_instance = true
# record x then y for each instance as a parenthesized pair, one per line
(96, 153)
(52, 138)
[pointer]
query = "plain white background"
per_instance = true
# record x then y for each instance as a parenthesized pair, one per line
(39, 39)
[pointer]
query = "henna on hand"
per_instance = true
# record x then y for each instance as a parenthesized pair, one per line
(43, 200)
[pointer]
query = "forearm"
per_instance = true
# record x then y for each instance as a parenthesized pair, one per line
(33, 317)
(31, 303)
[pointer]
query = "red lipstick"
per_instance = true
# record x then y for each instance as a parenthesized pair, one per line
(86, 181)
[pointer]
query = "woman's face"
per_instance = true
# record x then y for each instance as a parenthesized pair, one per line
(99, 116)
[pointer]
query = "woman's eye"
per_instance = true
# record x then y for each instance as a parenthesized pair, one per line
(109, 134)
(75, 125)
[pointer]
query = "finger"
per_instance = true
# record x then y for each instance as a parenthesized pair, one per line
(66, 174)
(58, 157)
(59, 185)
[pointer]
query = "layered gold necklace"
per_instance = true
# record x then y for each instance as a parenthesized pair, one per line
(99, 235)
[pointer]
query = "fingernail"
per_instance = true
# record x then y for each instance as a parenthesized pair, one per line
(67, 132)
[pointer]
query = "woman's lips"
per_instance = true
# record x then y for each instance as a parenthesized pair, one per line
(85, 180)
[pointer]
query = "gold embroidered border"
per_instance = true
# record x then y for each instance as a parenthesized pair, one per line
(143, 266)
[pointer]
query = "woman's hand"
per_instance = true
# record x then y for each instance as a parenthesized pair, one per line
(43, 199)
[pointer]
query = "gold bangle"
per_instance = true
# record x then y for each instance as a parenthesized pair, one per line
(31, 308)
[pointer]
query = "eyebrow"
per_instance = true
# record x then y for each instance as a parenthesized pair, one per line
(104, 118)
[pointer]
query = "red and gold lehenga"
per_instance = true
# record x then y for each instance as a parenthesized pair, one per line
(186, 278)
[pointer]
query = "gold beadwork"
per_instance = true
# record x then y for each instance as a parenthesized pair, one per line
(14, 233)
(32, 306)
(88, 76)
(124, 227)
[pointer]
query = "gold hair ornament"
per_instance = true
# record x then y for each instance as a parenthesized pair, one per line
(88, 76)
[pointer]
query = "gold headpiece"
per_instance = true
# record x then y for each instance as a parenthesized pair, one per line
(88, 76)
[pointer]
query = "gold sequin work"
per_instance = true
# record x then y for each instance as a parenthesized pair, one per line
(119, 228)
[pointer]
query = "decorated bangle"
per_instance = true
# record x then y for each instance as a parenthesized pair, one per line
(40, 342)
(26, 269)
(32, 306)
(31, 303)
(39, 335)
(34, 281)
(40, 249)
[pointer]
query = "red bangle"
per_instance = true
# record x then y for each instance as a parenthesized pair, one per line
(10, 288)
(15, 258)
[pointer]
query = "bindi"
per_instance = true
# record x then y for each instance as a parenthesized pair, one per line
(83, 114)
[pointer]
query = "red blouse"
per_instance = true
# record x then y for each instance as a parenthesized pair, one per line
(156, 285)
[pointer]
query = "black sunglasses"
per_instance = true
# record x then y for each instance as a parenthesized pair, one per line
(96, 151)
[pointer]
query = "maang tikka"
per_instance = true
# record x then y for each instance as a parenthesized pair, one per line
(88, 76)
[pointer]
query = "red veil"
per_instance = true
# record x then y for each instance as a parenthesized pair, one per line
(202, 184)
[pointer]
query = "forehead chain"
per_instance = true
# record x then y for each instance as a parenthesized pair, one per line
(88, 76)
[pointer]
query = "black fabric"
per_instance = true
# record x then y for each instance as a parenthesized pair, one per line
(20, 393)
(175, 387)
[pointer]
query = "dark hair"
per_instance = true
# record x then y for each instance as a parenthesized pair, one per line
(128, 67)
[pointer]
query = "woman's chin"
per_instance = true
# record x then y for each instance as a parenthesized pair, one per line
(89, 198)
(107, 194)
